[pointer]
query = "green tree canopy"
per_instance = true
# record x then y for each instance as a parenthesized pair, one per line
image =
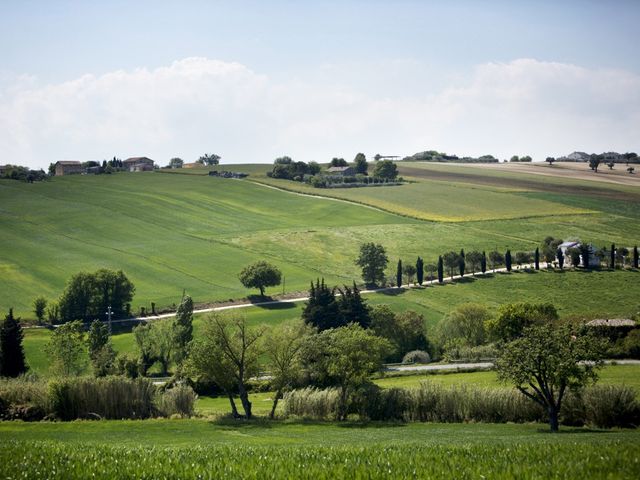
(361, 164)
(322, 310)
(547, 361)
(386, 170)
(513, 318)
(373, 261)
(12, 360)
(183, 328)
(260, 275)
(67, 349)
(466, 322)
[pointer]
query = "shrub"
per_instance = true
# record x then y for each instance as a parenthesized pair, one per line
(416, 356)
(455, 351)
(105, 397)
(608, 406)
(312, 403)
(179, 400)
(25, 395)
(127, 366)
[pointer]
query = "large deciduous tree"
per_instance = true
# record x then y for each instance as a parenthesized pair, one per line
(101, 352)
(465, 322)
(513, 318)
(361, 164)
(283, 345)
(260, 275)
(474, 260)
(496, 259)
(12, 359)
(226, 351)
(386, 170)
(209, 159)
(67, 349)
(87, 296)
(451, 261)
(373, 261)
(546, 362)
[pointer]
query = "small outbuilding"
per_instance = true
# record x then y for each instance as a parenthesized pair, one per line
(342, 171)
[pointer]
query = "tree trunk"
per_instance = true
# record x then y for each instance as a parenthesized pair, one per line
(275, 404)
(262, 291)
(244, 398)
(234, 410)
(553, 419)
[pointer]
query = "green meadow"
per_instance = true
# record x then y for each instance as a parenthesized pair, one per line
(257, 450)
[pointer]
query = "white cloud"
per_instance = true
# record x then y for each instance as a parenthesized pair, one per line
(198, 105)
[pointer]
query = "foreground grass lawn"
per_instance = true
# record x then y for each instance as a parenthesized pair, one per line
(202, 449)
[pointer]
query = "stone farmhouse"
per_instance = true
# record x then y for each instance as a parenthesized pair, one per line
(138, 164)
(68, 167)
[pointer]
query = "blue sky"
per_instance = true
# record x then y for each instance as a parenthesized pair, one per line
(254, 80)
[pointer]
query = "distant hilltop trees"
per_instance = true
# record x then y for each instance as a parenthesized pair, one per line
(606, 157)
(435, 156)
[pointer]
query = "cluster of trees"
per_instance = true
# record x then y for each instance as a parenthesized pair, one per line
(286, 168)
(209, 159)
(23, 174)
(311, 173)
(435, 156)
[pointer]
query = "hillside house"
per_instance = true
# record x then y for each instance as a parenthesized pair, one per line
(342, 171)
(68, 167)
(138, 164)
(594, 259)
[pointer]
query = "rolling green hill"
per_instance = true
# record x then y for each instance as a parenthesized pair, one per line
(171, 232)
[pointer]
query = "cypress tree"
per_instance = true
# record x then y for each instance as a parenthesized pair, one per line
(12, 362)
(399, 274)
(635, 257)
(536, 259)
(440, 269)
(183, 328)
(461, 263)
(613, 256)
(507, 260)
(353, 308)
(483, 263)
(322, 310)
(560, 256)
(419, 271)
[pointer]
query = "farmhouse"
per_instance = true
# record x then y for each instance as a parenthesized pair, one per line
(343, 171)
(138, 164)
(68, 167)
(594, 259)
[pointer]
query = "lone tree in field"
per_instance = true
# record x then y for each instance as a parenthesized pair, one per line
(373, 261)
(440, 269)
(546, 362)
(399, 274)
(39, 308)
(260, 275)
(12, 362)
(550, 161)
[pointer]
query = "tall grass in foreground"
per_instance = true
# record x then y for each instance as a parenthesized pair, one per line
(51, 460)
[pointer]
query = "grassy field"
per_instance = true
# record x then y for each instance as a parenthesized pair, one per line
(617, 295)
(175, 231)
(202, 449)
(628, 375)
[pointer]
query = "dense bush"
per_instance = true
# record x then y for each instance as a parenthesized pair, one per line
(106, 397)
(609, 406)
(416, 356)
(23, 398)
(179, 400)
(455, 351)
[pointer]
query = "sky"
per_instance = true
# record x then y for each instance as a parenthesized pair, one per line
(251, 81)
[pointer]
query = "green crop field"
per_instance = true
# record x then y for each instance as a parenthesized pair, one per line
(617, 296)
(257, 450)
(184, 230)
